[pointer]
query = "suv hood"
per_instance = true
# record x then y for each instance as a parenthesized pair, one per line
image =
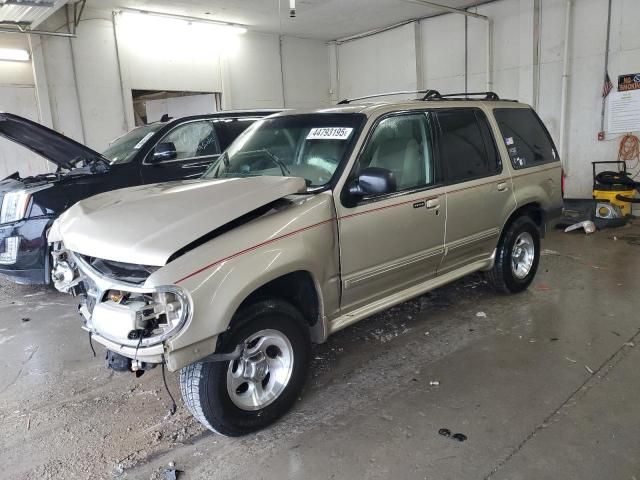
(48, 143)
(145, 225)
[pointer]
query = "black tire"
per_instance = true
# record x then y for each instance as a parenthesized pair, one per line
(204, 385)
(502, 277)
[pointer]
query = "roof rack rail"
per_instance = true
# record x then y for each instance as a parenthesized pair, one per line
(435, 95)
(387, 94)
(432, 95)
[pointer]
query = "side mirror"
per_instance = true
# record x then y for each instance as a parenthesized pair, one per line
(163, 152)
(373, 181)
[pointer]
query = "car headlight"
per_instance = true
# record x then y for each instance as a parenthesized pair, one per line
(14, 206)
(139, 319)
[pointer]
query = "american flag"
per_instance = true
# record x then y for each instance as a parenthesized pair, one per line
(607, 87)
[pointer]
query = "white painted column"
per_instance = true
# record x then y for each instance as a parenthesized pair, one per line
(40, 80)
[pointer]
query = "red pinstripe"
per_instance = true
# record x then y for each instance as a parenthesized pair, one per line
(255, 247)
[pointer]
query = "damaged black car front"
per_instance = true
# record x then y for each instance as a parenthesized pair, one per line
(28, 206)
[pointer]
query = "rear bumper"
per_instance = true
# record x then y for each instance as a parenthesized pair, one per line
(31, 263)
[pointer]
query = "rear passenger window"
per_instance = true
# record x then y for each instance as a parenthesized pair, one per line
(466, 145)
(527, 141)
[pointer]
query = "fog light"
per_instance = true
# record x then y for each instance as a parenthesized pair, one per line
(10, 254)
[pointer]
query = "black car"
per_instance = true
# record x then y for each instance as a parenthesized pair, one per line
(172, 150)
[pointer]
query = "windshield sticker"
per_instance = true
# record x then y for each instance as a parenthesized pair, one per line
(508, 140)
(329, 133)
(143, 141)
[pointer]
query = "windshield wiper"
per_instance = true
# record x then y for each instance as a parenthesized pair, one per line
(285, 170)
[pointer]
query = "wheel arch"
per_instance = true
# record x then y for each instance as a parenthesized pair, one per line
(301, 289)
(533, 210)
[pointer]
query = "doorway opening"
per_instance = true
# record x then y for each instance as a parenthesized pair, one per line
(152, 105)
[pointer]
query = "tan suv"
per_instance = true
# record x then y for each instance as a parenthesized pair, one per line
(311, 221)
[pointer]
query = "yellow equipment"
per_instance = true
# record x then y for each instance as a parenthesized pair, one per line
(615, 187)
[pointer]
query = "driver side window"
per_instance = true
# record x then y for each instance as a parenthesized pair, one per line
(192, 140)
(402, 145)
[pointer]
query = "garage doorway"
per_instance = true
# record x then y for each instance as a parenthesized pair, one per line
(152, 105)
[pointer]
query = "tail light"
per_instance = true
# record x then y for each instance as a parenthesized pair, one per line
(562, 182)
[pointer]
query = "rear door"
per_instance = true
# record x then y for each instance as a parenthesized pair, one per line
(479, 190)
(196, 146)
(392, 241)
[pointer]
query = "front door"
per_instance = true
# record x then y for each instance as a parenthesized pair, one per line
(392, 241)
(185, 152)
(479, 190)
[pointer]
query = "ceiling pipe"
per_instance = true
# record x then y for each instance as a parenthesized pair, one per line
(27, 31)
(448, 9)
(565, 87)
(466, 13)
(369, 33)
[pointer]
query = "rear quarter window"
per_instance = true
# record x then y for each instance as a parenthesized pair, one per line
(527, 140)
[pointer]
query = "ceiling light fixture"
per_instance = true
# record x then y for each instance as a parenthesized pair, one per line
(14, 55)
(226, 26)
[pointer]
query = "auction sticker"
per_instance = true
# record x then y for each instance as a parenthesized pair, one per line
(329, 133)
(139, 145)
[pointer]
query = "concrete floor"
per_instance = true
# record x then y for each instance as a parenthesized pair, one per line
(544, 384)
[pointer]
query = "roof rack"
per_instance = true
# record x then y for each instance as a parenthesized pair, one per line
(435, 95)
(387, 94)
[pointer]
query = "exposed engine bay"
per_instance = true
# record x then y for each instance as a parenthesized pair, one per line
(124, 316)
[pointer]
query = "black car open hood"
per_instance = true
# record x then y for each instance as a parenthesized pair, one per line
(48, 143)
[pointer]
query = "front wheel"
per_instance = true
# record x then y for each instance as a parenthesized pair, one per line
(517, 257)
(245, 395)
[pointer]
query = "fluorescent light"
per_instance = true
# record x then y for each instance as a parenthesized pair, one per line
(223, 27)
(14, 54)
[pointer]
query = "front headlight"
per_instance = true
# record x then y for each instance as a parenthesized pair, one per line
(138, 319)
(14, 206)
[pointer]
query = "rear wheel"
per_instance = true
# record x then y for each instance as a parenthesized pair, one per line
(517, 257)
(245, 395)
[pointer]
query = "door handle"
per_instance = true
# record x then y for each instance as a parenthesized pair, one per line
(433, 203)
(502, 187)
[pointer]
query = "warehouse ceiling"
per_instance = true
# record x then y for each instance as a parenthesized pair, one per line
(28, 12)
(320, 19)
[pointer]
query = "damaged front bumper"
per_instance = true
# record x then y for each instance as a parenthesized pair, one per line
(129, 319)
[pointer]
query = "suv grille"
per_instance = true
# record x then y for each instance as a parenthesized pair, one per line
(123, 272)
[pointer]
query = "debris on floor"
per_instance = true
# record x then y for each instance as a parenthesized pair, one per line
(481, 315)
(445, 432)
(587, 225)
(434, 383)
(171, 473)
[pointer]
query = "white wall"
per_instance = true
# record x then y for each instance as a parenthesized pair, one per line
(253, 74)
(384, 62)
(309, 86)
(380, 63)
(83, 79)
(443, 69)
(18, 95)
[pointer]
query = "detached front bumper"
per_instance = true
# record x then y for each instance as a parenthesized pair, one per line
(23, 251)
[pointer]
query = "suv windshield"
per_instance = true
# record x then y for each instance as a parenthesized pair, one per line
(310, 146)
(123, 149)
